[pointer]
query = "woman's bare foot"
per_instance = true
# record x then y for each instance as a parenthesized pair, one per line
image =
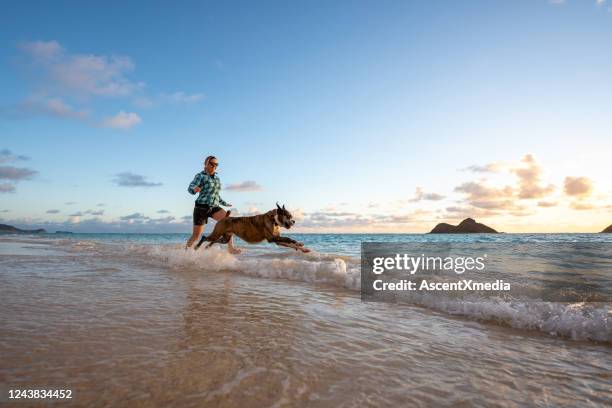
(234, 251)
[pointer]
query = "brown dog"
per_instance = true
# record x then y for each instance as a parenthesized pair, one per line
(255, 229)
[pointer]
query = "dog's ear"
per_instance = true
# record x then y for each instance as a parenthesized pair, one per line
(278, 206)
(283, 206)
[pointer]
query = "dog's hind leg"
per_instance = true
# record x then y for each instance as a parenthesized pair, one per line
(214, 237)
(223, 239)
(199, 244)
(211, 238)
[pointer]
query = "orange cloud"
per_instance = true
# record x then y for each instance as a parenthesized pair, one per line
(419, 195)
(578, 186)
(529, 179)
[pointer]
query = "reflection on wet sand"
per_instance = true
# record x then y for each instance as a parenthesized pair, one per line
(238, 346)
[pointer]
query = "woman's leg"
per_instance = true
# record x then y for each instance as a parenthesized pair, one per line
(219, 215)
(195, 235)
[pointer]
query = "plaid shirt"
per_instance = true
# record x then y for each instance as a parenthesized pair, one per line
(210, 187)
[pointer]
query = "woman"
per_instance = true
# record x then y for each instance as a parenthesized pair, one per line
(208, 184)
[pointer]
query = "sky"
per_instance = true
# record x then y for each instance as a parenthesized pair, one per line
(359, 116)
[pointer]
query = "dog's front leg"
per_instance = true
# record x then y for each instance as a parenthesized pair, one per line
(289, 243)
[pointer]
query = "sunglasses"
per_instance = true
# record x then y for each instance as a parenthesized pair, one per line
(213, 164)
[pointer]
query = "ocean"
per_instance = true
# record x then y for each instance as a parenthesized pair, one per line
(135, 320)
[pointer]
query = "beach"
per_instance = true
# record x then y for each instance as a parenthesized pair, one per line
(134, 320)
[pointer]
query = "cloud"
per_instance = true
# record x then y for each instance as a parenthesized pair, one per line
(76, 214)
(556, 2)
(477, 191)
(133, 216)
(529, 186)
(348, 220)
(138, 218)
(495, 167)
(482, 199)
(455, 209)
(70, 202)
(6, 156)
(57, 107)
(42, 51)
(493, 199)
(122, 120)
(498, 205)
(94, 212)
(529, 179)
(13, 174)
(127, 179)
(578, 186)
(100, 205)
(324, 220)
(600, 2)
(163, 211)
(420, 195)
(96, 224)
(81, 74)
(74, 219)
(582, 206)
(416, 216)
(16, 173)
(80, 77)
(462, 212)
(161, 220)
(249, 185)
(53, 211)
(36, 105)
(7, 188)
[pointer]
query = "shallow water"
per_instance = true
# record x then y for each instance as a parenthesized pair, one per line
(140, 322)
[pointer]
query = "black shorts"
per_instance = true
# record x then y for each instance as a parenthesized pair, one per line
(201, 212)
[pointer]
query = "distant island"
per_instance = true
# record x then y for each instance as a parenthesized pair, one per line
(608, 230)
(64, 232)
(9, 229)
(467, 226)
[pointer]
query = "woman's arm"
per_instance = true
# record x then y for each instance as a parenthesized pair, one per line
(194, 186)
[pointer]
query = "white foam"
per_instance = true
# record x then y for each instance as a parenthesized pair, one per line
(312, 268)
(577, 321)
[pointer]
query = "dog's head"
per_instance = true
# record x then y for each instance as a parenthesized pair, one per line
(284, 217)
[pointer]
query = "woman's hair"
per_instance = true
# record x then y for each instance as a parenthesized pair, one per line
(207, 159)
